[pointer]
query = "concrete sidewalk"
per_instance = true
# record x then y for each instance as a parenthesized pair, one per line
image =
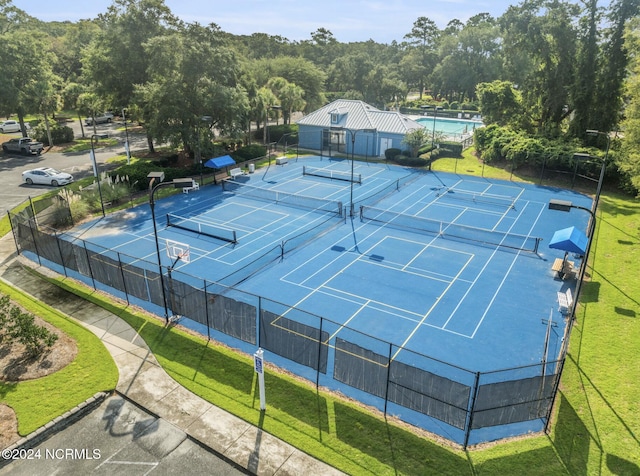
(144, 381)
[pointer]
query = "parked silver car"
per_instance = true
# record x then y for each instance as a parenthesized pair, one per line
(100, 118)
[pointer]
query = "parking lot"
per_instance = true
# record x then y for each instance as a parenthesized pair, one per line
(118, 437)
(12, 189)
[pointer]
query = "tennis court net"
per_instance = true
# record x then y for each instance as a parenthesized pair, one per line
(284, 198)
(452, 230)
(498, 200)
(202, 228)
(331, 174)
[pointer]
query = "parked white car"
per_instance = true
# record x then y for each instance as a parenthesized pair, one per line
(11, 126)
(46, 176)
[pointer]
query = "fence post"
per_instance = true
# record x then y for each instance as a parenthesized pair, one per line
(206, 310)
(554, 394)
(386, 390)
(86, 252)
(33, 237)
(124, 282)
(319, 353)
(64, 268)
(471, 410)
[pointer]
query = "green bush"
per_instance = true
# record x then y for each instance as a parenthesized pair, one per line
(411, 161)
(18, 325)
(391, 153)
(59, 134)
(450, 149)
(249, 152)
(425, 149)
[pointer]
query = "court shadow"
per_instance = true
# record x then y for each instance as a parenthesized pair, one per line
(625, 312)
(590, 292)
(571, 438)
(402, 450)
(621, 466)
(528, 459)
(203, 364)
(296, 402)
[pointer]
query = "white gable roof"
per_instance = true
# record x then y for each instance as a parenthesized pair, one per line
(355, 115)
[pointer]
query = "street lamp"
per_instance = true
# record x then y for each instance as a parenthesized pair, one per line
(566, 206)
(593, 132)
(156, 182)
(126, 134)
(95, 167)
(353, 133)
(276, 108)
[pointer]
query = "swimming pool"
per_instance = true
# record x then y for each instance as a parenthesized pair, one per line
(449, 127)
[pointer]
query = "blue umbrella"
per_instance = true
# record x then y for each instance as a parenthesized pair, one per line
(569, 239)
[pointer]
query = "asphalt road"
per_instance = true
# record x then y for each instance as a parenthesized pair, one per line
(13, 191)
(119, 438)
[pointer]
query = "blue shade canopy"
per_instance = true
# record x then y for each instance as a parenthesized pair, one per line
(569, 239)
(219, 162)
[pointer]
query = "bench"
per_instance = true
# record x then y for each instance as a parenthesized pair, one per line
(565, 301)
(194, 186)
(281, 160)
(235, 172)
(559, 270)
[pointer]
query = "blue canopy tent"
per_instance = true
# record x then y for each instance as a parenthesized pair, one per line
(570, 240)
(219, 162)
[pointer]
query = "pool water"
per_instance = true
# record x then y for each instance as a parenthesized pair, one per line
(449, 127)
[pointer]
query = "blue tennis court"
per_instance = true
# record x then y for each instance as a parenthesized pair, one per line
(440, 272)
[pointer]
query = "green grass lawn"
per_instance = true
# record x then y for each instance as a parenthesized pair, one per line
(39, 401)
(596, 418)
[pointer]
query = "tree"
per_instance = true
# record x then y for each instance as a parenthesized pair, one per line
(260, 107)
(424, 36)
(539, 39)
(415, 139)
(116, 61)
(628, 160)
(470, 56)
(294, 70)
(610, 81)
(500, 103)
(192, 88)
(25, 73)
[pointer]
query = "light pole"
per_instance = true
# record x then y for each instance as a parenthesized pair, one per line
(353, 133)
(126, 134)
(95, 167)
(593, 132)
(276, 108)
(156, 182)
(566, 206)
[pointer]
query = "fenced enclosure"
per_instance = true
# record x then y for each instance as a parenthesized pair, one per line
(461, 405)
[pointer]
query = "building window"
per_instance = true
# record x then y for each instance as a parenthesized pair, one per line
(335, 118)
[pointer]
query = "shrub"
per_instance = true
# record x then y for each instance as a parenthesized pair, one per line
(411, 161)
(249, 152)
(450, 149)
(59, 134)
(391, 153)
(21, 326)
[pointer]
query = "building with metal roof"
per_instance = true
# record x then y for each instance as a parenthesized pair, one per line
(351, 126)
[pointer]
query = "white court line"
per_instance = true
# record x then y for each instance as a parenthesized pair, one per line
(504, 278)
(433, 306)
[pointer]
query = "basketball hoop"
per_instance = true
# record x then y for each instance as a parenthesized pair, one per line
(178, 251)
